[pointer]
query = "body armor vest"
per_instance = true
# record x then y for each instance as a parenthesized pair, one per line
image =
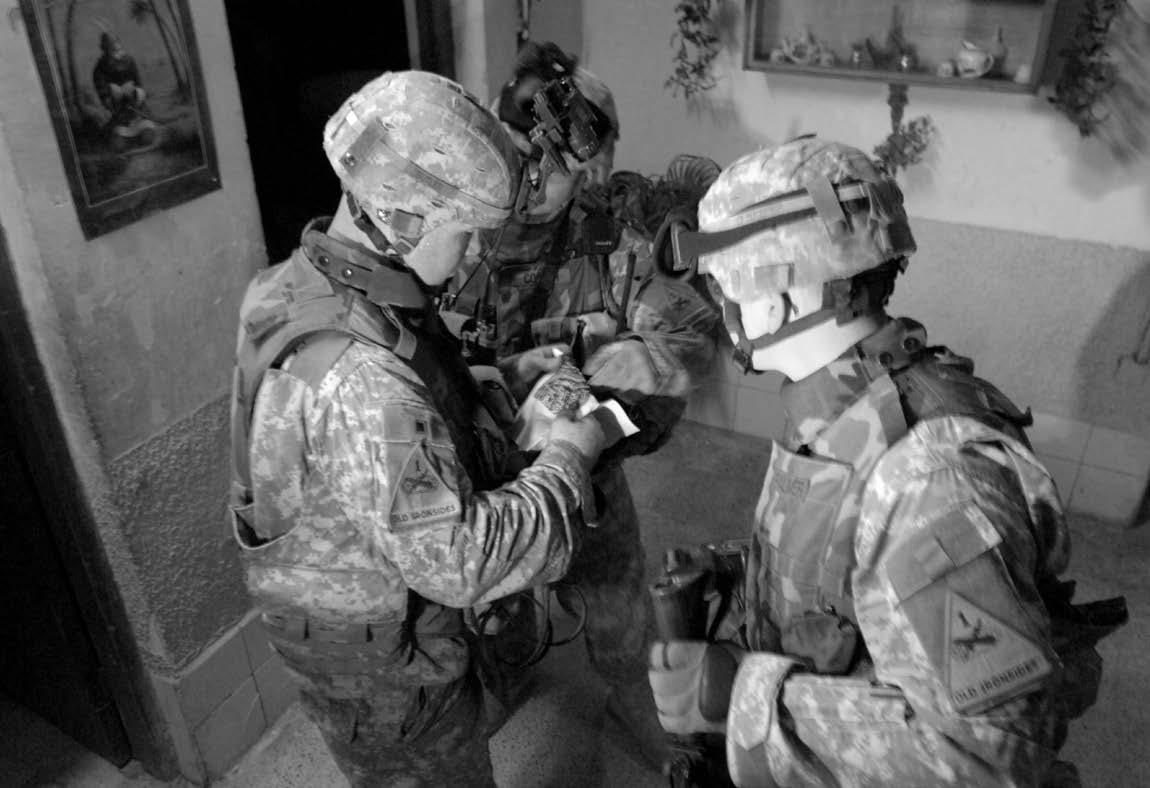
(807, 513)
(327, 601)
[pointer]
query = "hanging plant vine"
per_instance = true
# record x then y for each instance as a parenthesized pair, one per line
(906, 145)
(907, 142)
(696, 45)
(1087, 73)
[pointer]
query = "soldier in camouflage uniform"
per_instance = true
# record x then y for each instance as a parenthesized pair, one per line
(904, 625)
(569, 272)
(375, 499)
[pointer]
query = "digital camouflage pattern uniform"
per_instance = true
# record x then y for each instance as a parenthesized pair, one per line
(908, 501)
(375, 498)
(373, 519)
(543, 284)
(906, 506)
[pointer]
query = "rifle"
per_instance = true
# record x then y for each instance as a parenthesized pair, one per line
(699, 587)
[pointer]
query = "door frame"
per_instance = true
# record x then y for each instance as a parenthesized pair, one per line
(73, 528)
(430, 40)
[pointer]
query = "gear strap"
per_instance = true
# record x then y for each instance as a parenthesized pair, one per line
(274, 334)
(553, 260)
(384, 280)
(266, 347)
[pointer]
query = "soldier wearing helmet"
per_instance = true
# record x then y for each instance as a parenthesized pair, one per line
(901, 621)
(569, 270)
(375, 499)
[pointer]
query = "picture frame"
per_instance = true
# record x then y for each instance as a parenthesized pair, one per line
(125, 91)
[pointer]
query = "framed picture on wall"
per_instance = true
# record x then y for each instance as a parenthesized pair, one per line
(126, 94)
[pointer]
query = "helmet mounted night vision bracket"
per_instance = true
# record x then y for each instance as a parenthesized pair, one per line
(565, 123)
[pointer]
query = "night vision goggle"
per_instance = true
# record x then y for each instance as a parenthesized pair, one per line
(833, 203)
(558, 120)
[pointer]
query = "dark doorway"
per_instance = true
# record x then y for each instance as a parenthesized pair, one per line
(296, 61)
(48, 663)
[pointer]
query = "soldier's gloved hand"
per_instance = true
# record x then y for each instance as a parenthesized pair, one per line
(691, 681)
(824, 642)
(521, 370)
(586, 435)
(625, 368)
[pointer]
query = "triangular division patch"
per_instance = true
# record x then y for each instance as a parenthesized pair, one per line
(988, 662)
(420, 496)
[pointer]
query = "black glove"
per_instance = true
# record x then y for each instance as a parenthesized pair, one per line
(824, 642)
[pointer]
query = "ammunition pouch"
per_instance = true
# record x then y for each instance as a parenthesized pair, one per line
(340, 649)
(430, 646)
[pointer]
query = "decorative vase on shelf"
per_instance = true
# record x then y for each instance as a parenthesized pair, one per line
(971, 62)
(997, 51)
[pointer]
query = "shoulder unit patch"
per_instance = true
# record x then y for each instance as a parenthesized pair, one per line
(420, 495)
(987, 661)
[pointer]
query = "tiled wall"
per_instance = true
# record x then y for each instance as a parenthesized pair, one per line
(222, 703)
(1099, 471)
(743, 403)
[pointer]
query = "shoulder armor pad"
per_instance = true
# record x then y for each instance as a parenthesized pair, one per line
(945, 385)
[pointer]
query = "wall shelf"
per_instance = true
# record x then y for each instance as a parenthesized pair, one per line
(867, 41)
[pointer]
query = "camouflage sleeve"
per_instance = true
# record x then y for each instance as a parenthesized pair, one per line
(392, 464)
(674, 321)
(958, 687)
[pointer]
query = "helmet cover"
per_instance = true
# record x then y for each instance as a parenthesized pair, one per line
(417, 151)
(851, 219)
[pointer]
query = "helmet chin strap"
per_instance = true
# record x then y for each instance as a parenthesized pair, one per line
(849, 311)
(366, 226)
(799, 354)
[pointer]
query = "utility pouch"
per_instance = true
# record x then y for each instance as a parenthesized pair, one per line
(599, 234)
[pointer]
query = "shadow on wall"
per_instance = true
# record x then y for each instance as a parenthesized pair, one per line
(1112, 374)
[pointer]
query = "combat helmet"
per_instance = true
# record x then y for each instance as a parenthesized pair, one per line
(805, 213)
(415, 151)
(809, 212)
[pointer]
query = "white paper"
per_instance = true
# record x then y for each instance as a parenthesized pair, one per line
(555, 393)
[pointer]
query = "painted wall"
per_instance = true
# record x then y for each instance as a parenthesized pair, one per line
(1033, 243)
(500, 26)
(468, 33)
(147, 314)
(485, 37)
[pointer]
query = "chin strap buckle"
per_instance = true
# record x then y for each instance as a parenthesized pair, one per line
(405, 225)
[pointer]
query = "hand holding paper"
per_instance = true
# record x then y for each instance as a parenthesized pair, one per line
(565, 392)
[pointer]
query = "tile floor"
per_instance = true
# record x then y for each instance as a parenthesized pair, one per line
(560, 737)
